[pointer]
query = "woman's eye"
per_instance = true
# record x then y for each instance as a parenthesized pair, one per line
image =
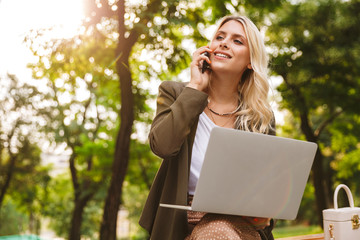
(219, 37)
(238, 41)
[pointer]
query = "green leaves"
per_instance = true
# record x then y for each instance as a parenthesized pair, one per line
(314, 47)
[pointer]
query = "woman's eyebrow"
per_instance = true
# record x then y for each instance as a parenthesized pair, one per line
(236, 35)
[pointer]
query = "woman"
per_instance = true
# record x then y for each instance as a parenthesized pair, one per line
(232, 94)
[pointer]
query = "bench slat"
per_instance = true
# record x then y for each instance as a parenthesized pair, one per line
(305, 237)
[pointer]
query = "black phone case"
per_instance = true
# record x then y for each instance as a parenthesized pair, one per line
(205, 64)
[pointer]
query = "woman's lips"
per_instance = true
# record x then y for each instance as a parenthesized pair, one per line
(222, 55)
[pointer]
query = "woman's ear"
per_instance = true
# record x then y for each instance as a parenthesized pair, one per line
(249, 66)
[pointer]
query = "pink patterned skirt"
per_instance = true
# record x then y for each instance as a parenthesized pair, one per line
(210, 226)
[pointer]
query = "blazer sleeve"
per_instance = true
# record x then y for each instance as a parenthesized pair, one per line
(178, 108)
(272, 130)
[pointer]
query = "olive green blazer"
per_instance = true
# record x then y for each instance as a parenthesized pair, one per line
(171, 137)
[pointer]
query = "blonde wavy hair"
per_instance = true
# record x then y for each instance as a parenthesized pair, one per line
(255, 113)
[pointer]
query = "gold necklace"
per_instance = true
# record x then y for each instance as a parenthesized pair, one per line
(223, 114)
(218, 124)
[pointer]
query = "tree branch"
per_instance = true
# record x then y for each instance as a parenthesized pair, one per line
(74, 177)
(303, 112)
(324, 124)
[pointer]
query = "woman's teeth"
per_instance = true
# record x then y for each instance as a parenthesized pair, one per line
(222, 55)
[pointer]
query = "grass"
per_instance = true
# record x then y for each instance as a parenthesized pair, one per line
(298, 230)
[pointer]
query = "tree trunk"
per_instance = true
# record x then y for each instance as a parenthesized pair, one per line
(121, 156)
(76, 220)
(317, 168)
(81, 199)
(318, 181)
(329, 183)
(8, 177)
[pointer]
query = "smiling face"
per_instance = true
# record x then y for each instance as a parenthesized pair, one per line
(230, 49)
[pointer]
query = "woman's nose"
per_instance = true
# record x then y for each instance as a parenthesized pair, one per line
(223, 44)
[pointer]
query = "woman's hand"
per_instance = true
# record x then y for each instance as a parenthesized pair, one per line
(258, 223)
(198, 79)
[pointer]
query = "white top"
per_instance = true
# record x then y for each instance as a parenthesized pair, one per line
(205, 125)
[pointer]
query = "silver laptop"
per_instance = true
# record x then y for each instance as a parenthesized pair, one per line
(252, 174)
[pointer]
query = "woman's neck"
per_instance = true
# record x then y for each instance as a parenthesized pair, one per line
(224, 89)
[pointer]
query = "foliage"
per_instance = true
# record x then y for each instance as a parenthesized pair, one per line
(312, 39)
(29, 187)
(12, 221)
(59, 206)
(315, 49)
(84, 66)
(21, 175)
(81, 108)
(306, 211)
(345, 142)
(17, 116)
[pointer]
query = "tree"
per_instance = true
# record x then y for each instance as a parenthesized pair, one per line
(81, 107)
(345, 143)
(315, 47)
(29, 184)
(20, 170)
(16, 111)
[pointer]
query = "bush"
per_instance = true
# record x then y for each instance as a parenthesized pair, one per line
(11, 221)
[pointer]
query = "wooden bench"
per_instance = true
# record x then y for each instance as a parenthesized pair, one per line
(305, 237)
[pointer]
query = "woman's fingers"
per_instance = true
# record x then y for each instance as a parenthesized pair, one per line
(199, 79)
(203, 58)
(259, 223)
(200, 53)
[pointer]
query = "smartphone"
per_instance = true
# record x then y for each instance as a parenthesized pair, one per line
(205, 64)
